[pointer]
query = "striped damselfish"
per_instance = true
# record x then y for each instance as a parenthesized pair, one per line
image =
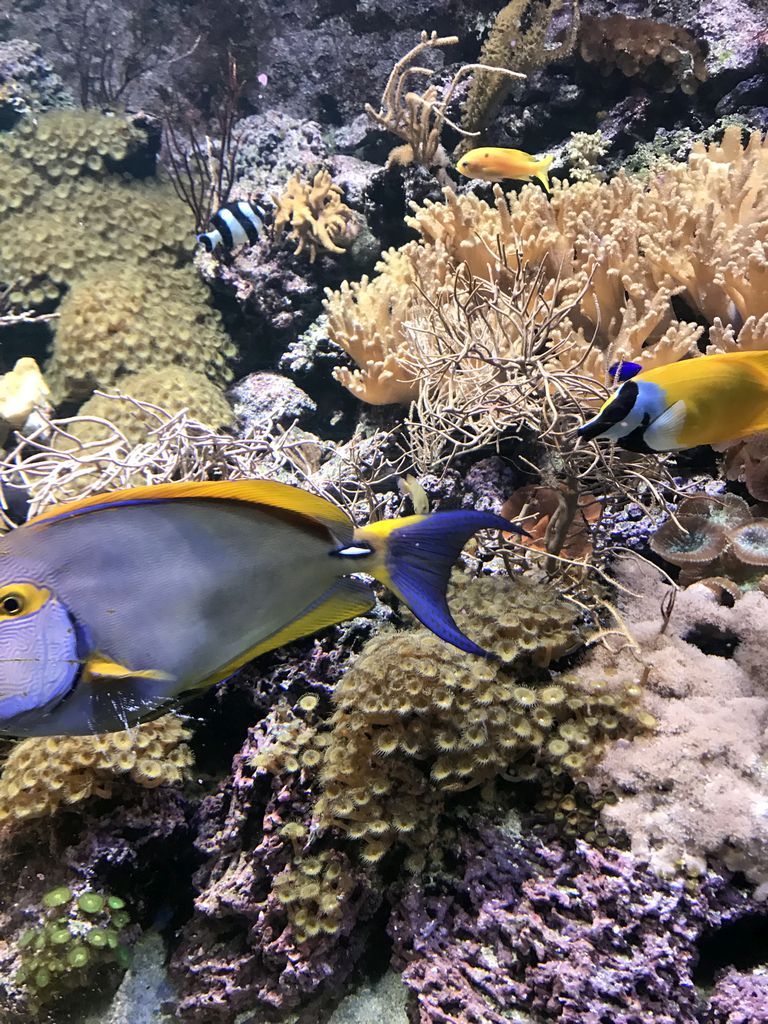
(115, 607)
(233, 225)
(705, 400)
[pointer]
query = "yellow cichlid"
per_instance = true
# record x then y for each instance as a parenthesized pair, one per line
(114, 608)
(492, 163)
(706, 400)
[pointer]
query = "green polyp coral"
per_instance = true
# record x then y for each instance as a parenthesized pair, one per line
(62, 192)
(125, 318)
(81, 932)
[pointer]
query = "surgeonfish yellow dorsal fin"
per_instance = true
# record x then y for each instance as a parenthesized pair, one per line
(266, 493)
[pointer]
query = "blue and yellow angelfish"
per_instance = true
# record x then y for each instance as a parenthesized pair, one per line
(115, 607)
(705, 400)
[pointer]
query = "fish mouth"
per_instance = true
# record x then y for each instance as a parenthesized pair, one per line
(616, 411)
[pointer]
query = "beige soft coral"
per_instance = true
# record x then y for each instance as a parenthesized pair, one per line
(627, 248)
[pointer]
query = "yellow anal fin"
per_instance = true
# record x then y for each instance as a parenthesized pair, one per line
(98, 666)
(346, 599)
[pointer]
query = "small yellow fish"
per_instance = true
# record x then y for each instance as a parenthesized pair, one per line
(706, 400)
(492, 163)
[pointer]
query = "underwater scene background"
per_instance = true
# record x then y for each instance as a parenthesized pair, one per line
(398, 253)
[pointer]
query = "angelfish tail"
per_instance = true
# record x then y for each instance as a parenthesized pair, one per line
(414, 556)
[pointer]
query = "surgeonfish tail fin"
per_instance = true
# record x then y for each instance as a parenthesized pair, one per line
(542, 171)
(414, 556)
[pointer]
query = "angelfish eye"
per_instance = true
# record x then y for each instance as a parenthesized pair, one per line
(12, 604)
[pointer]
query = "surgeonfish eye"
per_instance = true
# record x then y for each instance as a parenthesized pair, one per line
(12, 604)
(38, 651)
(18, 599)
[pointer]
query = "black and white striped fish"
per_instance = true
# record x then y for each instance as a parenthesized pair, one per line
(233, 225)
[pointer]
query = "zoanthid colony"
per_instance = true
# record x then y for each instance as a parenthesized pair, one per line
(416, 719)
(126, 318)
(42, 774)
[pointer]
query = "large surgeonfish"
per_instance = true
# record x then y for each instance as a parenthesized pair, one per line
(233, 225)
(114, 607)
(705, 400)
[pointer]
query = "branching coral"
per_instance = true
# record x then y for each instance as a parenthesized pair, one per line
(41, 775)
(518, 42)
(695, 790)
(314, 215)
(418, 118)
(666, 56)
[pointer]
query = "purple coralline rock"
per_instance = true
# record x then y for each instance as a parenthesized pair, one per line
(263, 401)
(488, 484)
(237, 953)
(575, 936)
(739, 998)
(272, 145)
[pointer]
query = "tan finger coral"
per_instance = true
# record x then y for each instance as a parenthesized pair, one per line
(314, 215)
(42, 774)
(623, 249)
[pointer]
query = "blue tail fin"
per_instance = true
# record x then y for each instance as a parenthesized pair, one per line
(417, 554)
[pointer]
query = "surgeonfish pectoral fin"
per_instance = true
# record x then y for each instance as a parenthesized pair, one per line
(98, 666)
(414, 557)
(542, 171)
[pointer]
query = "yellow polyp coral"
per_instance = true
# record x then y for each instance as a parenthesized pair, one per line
(42, 774)
(126, 318)
(416, 719)
(621, 250)
(171, 388)
(313, 889)
(314, 215)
